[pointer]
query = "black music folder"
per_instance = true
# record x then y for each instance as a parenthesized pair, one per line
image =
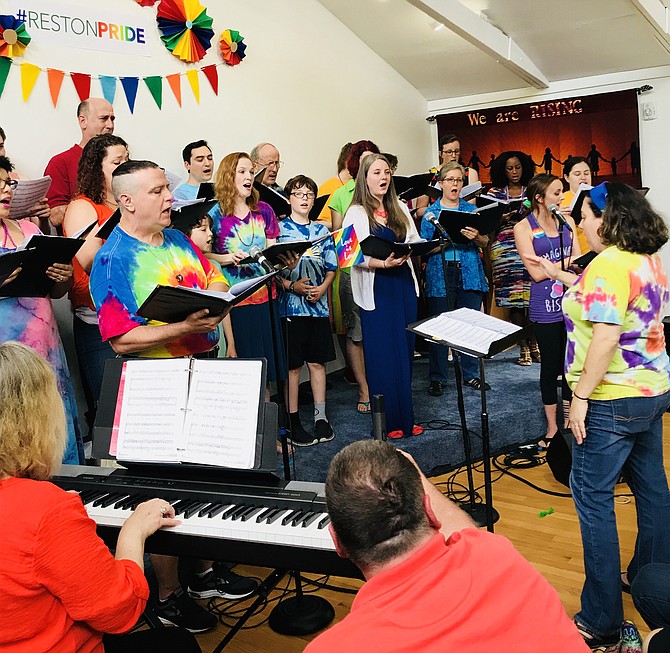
(298, 247)
(175, 303)
(206, 191)
(107, 227)
(380, 248)
(281, 206)
(34, 256)
(412, 186)
(485, 219)
(189, 215)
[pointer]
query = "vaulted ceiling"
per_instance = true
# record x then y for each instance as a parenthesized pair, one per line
(455, 48)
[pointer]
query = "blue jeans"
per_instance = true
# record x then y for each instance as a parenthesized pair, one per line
(458, 298)
(651, 594)
(621, 435)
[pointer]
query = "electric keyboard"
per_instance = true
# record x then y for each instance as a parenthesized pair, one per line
(282, 527)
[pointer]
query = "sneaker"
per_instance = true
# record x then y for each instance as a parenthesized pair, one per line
(301, 438)
(181, 610)
(630, 641)
(323, 430)
(221, 582)
(436, 389)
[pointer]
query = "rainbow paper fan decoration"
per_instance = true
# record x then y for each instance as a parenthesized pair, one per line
(146, 3)
(186, 29)
(13, 37)
(232, 47)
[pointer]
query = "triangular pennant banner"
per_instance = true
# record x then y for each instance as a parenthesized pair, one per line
(29, 74)
(155, 86)
(194, 81)
(175, 84)
(108, 85)
(82, 84)
(130, 87)
(55, 78)
(212, 75)
(5, 65)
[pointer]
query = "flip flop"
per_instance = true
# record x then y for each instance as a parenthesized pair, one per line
(363, 407)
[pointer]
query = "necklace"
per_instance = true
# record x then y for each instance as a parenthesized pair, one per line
(380, 213)
(253, 234)
(7, 235)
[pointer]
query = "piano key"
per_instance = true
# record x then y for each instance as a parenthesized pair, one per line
(240, 511)
(312, 518)
(266, 513)
(227, 513)
(324, 522)
(190, 512)
(279, 513)
(290, 517)
(111, 498)
(252, 513)
(215, 510)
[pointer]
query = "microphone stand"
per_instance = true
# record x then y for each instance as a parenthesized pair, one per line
(477, 511)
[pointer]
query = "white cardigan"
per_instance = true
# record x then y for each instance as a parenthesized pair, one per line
(363, 276)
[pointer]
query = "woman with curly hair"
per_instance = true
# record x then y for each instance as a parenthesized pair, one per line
(94, 202)
(510, 173)
(617, 367)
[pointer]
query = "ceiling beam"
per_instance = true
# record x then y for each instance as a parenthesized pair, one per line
(485, 36)
(656, 14)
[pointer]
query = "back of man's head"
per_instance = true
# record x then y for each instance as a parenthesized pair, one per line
(122, 177)
(376, 503)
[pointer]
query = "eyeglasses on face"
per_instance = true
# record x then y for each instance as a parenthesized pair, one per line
(453, 180)
(451, 152)
(8, 183)
(301, 195)
(270, 164)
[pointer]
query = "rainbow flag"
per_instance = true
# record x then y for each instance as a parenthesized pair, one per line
(348, 248)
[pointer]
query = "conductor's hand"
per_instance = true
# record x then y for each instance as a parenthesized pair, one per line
(393, 262)
(202, 321)
(290, 260)
(60, 272)
(11, 277)
(149, 516)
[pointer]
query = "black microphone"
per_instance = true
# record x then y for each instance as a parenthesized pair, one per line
(432, 218)
(378, 417)
(559, 216)
(257, 254)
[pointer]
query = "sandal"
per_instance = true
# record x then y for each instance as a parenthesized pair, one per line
(535, 351)
(543, 443)
(476, 383)
(524, 356)
(395, 435)
(417, 430)
(625, 585)
(594, 641)
(363, 407)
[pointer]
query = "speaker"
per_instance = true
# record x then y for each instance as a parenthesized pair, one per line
(559, 456)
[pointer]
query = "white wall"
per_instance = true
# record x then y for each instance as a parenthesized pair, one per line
(308, 84)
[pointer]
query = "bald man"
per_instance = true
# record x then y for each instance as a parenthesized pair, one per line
(95, 116)
(266, 155)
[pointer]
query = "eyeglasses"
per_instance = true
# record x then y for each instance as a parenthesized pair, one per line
(273, 164)
(309, 196)
(11, 183)
(451, 152)
(453, 180)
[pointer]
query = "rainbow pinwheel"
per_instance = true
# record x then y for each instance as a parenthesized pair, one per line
(146, 3)
(185, 27)
(232, 47)
(13, 37)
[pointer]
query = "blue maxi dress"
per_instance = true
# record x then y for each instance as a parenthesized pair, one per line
(387, 345)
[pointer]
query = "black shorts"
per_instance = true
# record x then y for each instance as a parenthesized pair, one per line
(310, 340)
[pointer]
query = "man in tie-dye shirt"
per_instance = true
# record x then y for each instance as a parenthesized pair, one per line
(139, 255)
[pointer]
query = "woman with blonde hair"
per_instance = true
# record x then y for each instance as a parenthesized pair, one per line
(60, 587)
(386, 292)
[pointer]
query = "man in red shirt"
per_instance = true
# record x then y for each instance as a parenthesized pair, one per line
(95, 116)
(434, 582)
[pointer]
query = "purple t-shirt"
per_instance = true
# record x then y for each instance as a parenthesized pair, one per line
(546, 296)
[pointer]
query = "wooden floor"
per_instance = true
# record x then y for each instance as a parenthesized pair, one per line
(552, 544)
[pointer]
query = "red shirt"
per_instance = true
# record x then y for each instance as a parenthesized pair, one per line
(470, 594)
(60, 587)
(62, 169)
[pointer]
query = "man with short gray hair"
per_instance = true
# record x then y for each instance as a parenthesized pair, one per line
(266, 155)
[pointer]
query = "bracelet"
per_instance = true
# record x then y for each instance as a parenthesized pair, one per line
(384, 263)
(290, 286)
(576, 396)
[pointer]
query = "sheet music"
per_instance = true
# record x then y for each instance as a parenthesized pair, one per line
(26, 195)
(467, 328)
(152, 410)
(222, 415)
(173, 179)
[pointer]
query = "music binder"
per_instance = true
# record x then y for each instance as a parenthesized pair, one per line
(380, 248)
(206, 191)
(108, 225)
(485, 219)
(170, 411)
(298, 247)
(575, 207)
(186, 215)
(412, 186)
(34, 255)
(281, 206)
(469, 331)
(175, 303)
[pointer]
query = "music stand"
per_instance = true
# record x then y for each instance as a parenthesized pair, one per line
(474, 333)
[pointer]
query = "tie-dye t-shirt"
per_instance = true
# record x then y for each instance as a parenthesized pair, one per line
(125, 272)
(313, 265)
(232, 233)
(629, 290)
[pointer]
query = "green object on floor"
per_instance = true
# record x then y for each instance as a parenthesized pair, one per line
(544, 513)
